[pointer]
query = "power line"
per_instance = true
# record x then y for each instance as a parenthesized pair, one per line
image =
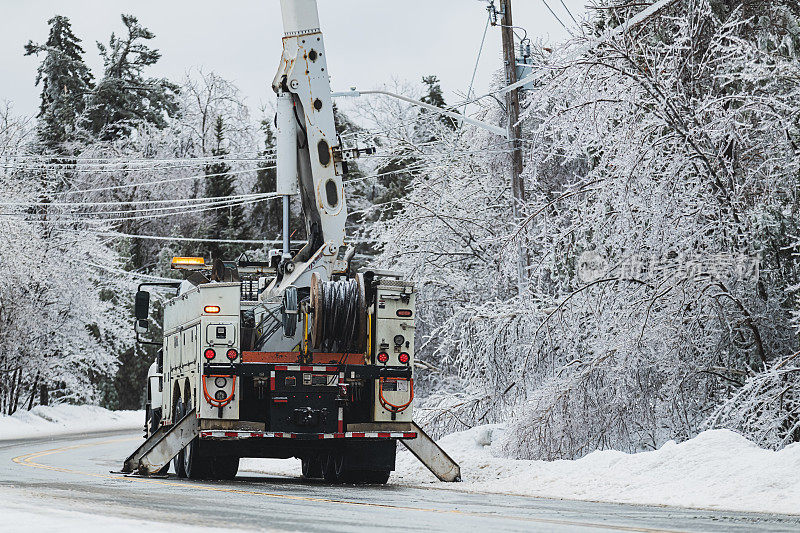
(554, 14)
(568, 12)
(177, 209)
(478, 59)
(131, 202)
(124, 159)
(167, 180)
(71, 217)
(184, 239)
(136, 275)
(104, 170)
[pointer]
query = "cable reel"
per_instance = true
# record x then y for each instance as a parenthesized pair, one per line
(290, 311)
(339, 315)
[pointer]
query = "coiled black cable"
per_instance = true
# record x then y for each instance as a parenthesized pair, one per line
(341, 319)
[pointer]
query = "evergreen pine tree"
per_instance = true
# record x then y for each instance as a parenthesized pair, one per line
(266, 215)
(398, 171)
(435, 96)
(228, 222)
(65, 81)
(124, 98)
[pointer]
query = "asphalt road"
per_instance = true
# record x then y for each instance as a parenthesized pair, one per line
(72, 473)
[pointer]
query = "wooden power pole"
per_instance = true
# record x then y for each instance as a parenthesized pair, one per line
(512, 102)
(514, 129)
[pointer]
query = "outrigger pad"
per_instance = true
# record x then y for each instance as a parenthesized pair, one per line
(162, 446)
(432, 456)
(422, 446)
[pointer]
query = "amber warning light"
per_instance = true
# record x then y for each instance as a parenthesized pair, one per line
(188, 262)
(211, 309)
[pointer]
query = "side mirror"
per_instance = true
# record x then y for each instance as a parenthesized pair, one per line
(141, 307)
(142, 326)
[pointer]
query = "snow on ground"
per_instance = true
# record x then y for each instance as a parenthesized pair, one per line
(33, 514)
(718, 469)
(44, 421)
(277, 467)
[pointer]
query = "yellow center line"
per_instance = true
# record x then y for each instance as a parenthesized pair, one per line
(28, 460)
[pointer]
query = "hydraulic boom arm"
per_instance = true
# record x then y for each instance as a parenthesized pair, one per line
(307, 146)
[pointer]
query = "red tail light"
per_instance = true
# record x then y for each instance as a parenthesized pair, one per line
(232, 354)
(383, 357)
(404, 358)
(210, 353)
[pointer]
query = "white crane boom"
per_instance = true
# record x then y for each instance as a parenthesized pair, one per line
(308, 147)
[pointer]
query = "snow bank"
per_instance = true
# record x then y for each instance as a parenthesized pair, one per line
(44, 421)
(718, 469)
(272, 467)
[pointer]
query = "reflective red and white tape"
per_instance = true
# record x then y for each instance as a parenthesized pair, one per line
(221, 434)
(297, 368)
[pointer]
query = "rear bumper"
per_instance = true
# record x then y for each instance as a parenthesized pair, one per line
(351, 371)
(216, 434)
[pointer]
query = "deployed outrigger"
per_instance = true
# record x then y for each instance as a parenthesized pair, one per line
(296, 356)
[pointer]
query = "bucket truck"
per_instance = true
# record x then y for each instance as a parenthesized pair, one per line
(297, 356)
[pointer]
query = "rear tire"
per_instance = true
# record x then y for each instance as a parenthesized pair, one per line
(195, 465)
(311, 467)
(333, 468)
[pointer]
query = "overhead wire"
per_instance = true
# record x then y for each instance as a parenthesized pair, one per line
(178, 208)
(568, 11)
(129, 202)
(123, 159)
(554, 15)
(129, 273)
(119, 235)
(105, 170)
(166, 180)
(71, 217)
(478, 59)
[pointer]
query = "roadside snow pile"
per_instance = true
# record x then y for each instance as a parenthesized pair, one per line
(718, 469)
(43, 421)
(272, 467)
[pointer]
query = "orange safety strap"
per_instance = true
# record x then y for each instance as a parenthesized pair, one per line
(386, 404)
(213, 401)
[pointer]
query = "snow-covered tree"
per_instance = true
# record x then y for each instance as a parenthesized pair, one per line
(65, 80)
(124, 97)
(662, 169)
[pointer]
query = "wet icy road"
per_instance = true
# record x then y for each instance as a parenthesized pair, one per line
(72, 473)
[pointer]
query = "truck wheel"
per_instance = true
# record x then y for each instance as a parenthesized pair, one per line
(194, 465)
(153, 421)
(333, 470)
(225, 467)
(177, 461)
(311, 467)
(147, 424)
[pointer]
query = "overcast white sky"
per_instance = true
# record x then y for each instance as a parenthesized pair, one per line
(369, 42)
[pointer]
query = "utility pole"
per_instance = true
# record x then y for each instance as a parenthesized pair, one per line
(514, 131)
